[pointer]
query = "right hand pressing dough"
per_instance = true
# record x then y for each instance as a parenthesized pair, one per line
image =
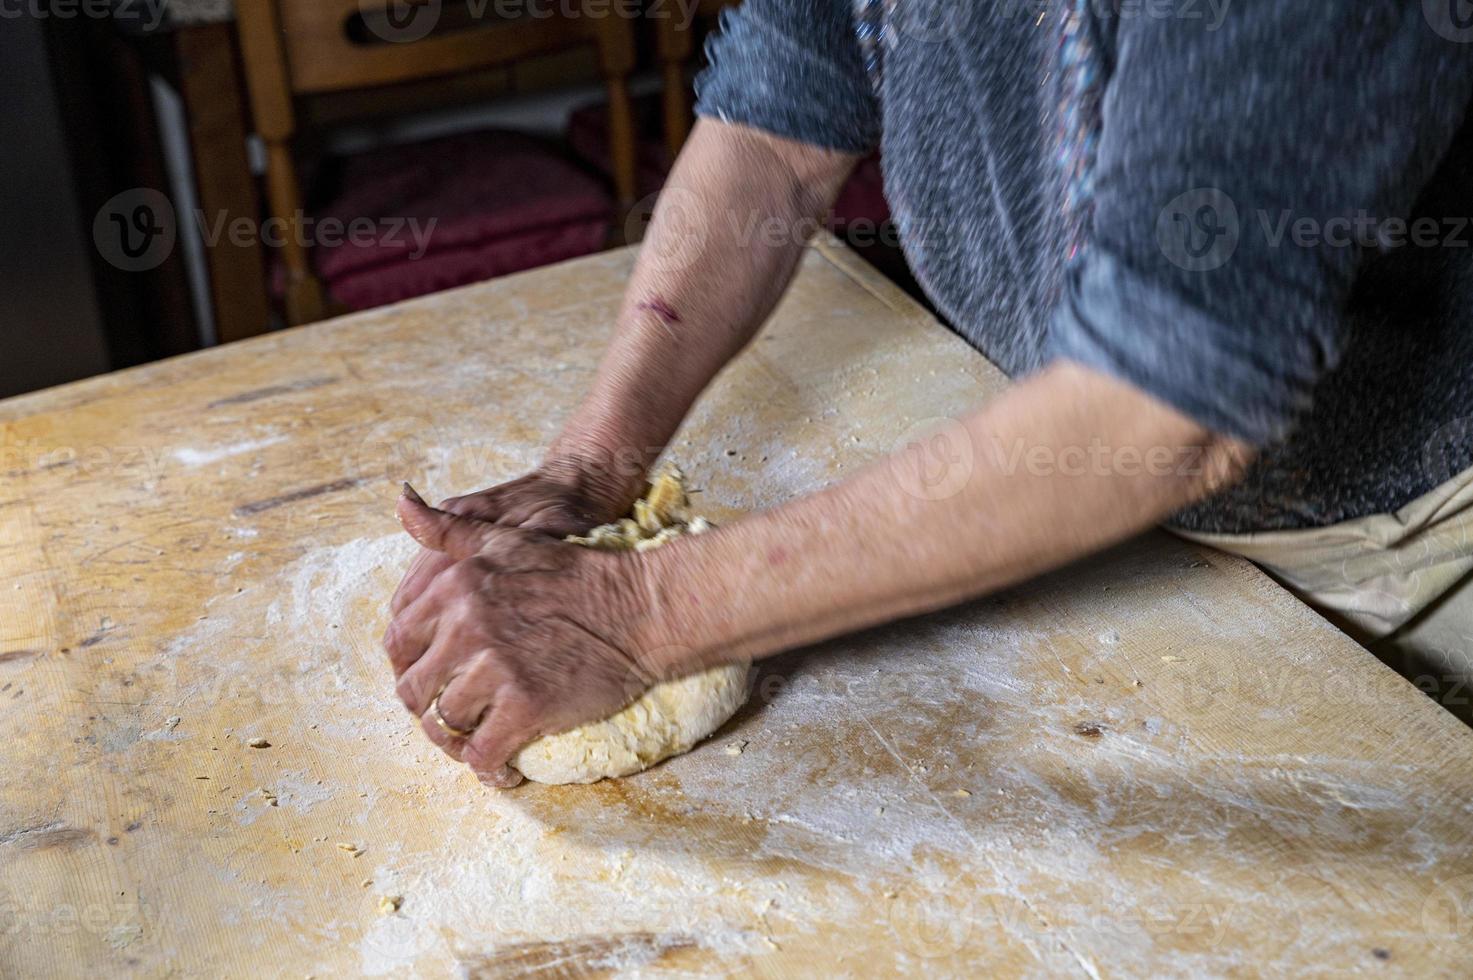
(670, 717)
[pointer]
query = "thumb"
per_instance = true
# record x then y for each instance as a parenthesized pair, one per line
(454, 535)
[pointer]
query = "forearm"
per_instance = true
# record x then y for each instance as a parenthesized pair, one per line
(896, 540)
(721, 248)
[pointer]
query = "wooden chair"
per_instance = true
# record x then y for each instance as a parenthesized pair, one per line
(295, 48)
(674, 46)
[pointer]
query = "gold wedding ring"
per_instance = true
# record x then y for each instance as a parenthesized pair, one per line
(445, 726)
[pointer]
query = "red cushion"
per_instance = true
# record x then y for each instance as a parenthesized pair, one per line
(501, 202)
(448, 268)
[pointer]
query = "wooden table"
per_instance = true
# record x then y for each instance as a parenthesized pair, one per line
(1155, 763)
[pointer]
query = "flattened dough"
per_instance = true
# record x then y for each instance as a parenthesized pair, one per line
(669, 718)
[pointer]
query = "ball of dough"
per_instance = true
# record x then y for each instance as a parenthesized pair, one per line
(669, 718)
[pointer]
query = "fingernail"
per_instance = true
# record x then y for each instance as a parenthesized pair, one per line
(409, 492)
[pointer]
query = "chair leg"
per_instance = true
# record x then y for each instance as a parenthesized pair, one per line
(673, 49)
(304, 303)
(622, 146)
(304, 298)
(677, 107)
(615, 41)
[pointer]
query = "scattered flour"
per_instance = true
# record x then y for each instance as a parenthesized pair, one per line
(191, 457)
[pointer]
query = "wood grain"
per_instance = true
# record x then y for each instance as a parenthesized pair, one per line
(1155, 763)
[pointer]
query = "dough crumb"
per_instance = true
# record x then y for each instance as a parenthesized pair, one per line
(389, 904)
(962, 792)
(736, 748)
(258, 743)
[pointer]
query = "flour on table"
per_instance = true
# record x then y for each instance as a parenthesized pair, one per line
(669, 718)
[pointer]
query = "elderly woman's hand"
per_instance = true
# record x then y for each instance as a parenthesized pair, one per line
(516, 636)
(558, 498)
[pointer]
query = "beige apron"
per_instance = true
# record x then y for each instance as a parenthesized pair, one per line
(1400, 583)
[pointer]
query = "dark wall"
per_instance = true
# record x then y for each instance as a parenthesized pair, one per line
(51, 329)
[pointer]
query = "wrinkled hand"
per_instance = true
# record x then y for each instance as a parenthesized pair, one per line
(519, 635)
(556, 500)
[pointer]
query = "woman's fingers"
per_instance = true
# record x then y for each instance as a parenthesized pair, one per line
(455, 536)
(424, 686)
(412, 630)
(555, 517)
(483, 506)
(466, 698)
(487, 505)
(506, 727)
(426, 565)
(460, 703)
(444, 657)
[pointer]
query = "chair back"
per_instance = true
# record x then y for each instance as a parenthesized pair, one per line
(294, 48)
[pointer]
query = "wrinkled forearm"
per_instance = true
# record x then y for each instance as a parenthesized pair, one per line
(721, 248)
(1023, 494)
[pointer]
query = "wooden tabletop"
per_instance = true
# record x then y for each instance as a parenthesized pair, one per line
(1156, 763)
